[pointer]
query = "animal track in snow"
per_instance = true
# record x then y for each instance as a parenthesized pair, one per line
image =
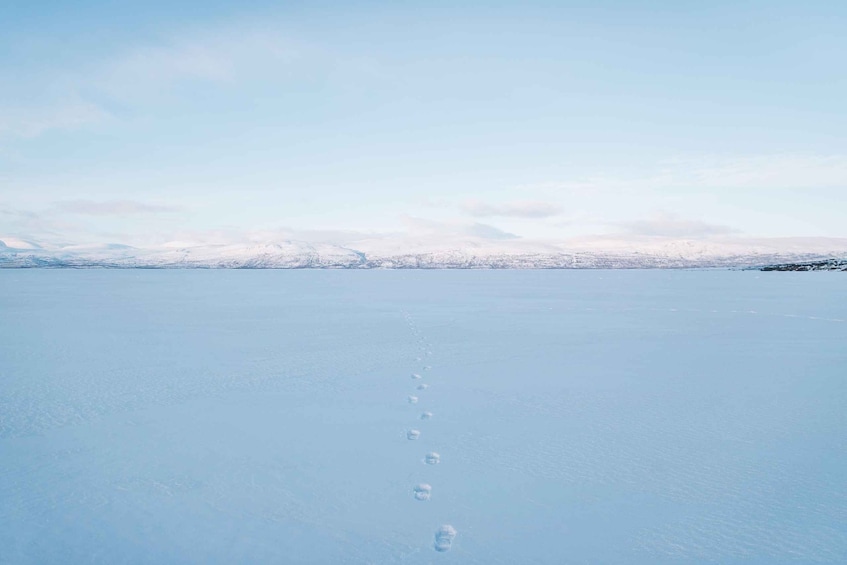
(445, 535)
(423, 491)
(444, 538)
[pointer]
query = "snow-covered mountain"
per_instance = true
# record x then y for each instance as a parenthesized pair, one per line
(407, 253)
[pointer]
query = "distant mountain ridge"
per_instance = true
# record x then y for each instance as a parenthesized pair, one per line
(471, 253)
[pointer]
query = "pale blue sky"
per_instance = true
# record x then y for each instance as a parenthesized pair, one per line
(548, 120)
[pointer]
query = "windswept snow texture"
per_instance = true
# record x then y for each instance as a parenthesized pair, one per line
(226, 417)
(476, 253)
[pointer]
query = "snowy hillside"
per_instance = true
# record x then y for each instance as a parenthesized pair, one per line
(400, 253)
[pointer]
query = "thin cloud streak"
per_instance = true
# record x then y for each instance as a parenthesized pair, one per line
(670, 225)
(147, 72)
(714, 172)
(521, 209)
(216, 56)
(112, 208)
(420, 226)
(32, 122)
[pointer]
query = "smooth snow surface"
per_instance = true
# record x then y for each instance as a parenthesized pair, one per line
(582, 417)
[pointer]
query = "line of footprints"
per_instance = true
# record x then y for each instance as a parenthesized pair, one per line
(445, 535)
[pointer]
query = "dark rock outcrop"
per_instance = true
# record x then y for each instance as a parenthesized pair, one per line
(827, 265)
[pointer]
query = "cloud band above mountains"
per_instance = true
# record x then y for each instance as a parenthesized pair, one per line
(519, 209)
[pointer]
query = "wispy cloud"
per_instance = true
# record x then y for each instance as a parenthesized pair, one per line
(336, 237)
(19, 214)
(711, 172)
(167, 63)
(520, 209)
(215, 56)
(28, 122)
(763, 171)
(420, 226)
(136, 76)
(666, 224)
(30, 224)
(112, 207)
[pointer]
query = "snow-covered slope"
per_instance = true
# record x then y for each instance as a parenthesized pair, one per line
(408, 253)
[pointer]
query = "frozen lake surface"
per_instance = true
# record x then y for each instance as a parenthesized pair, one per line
(568, 417)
